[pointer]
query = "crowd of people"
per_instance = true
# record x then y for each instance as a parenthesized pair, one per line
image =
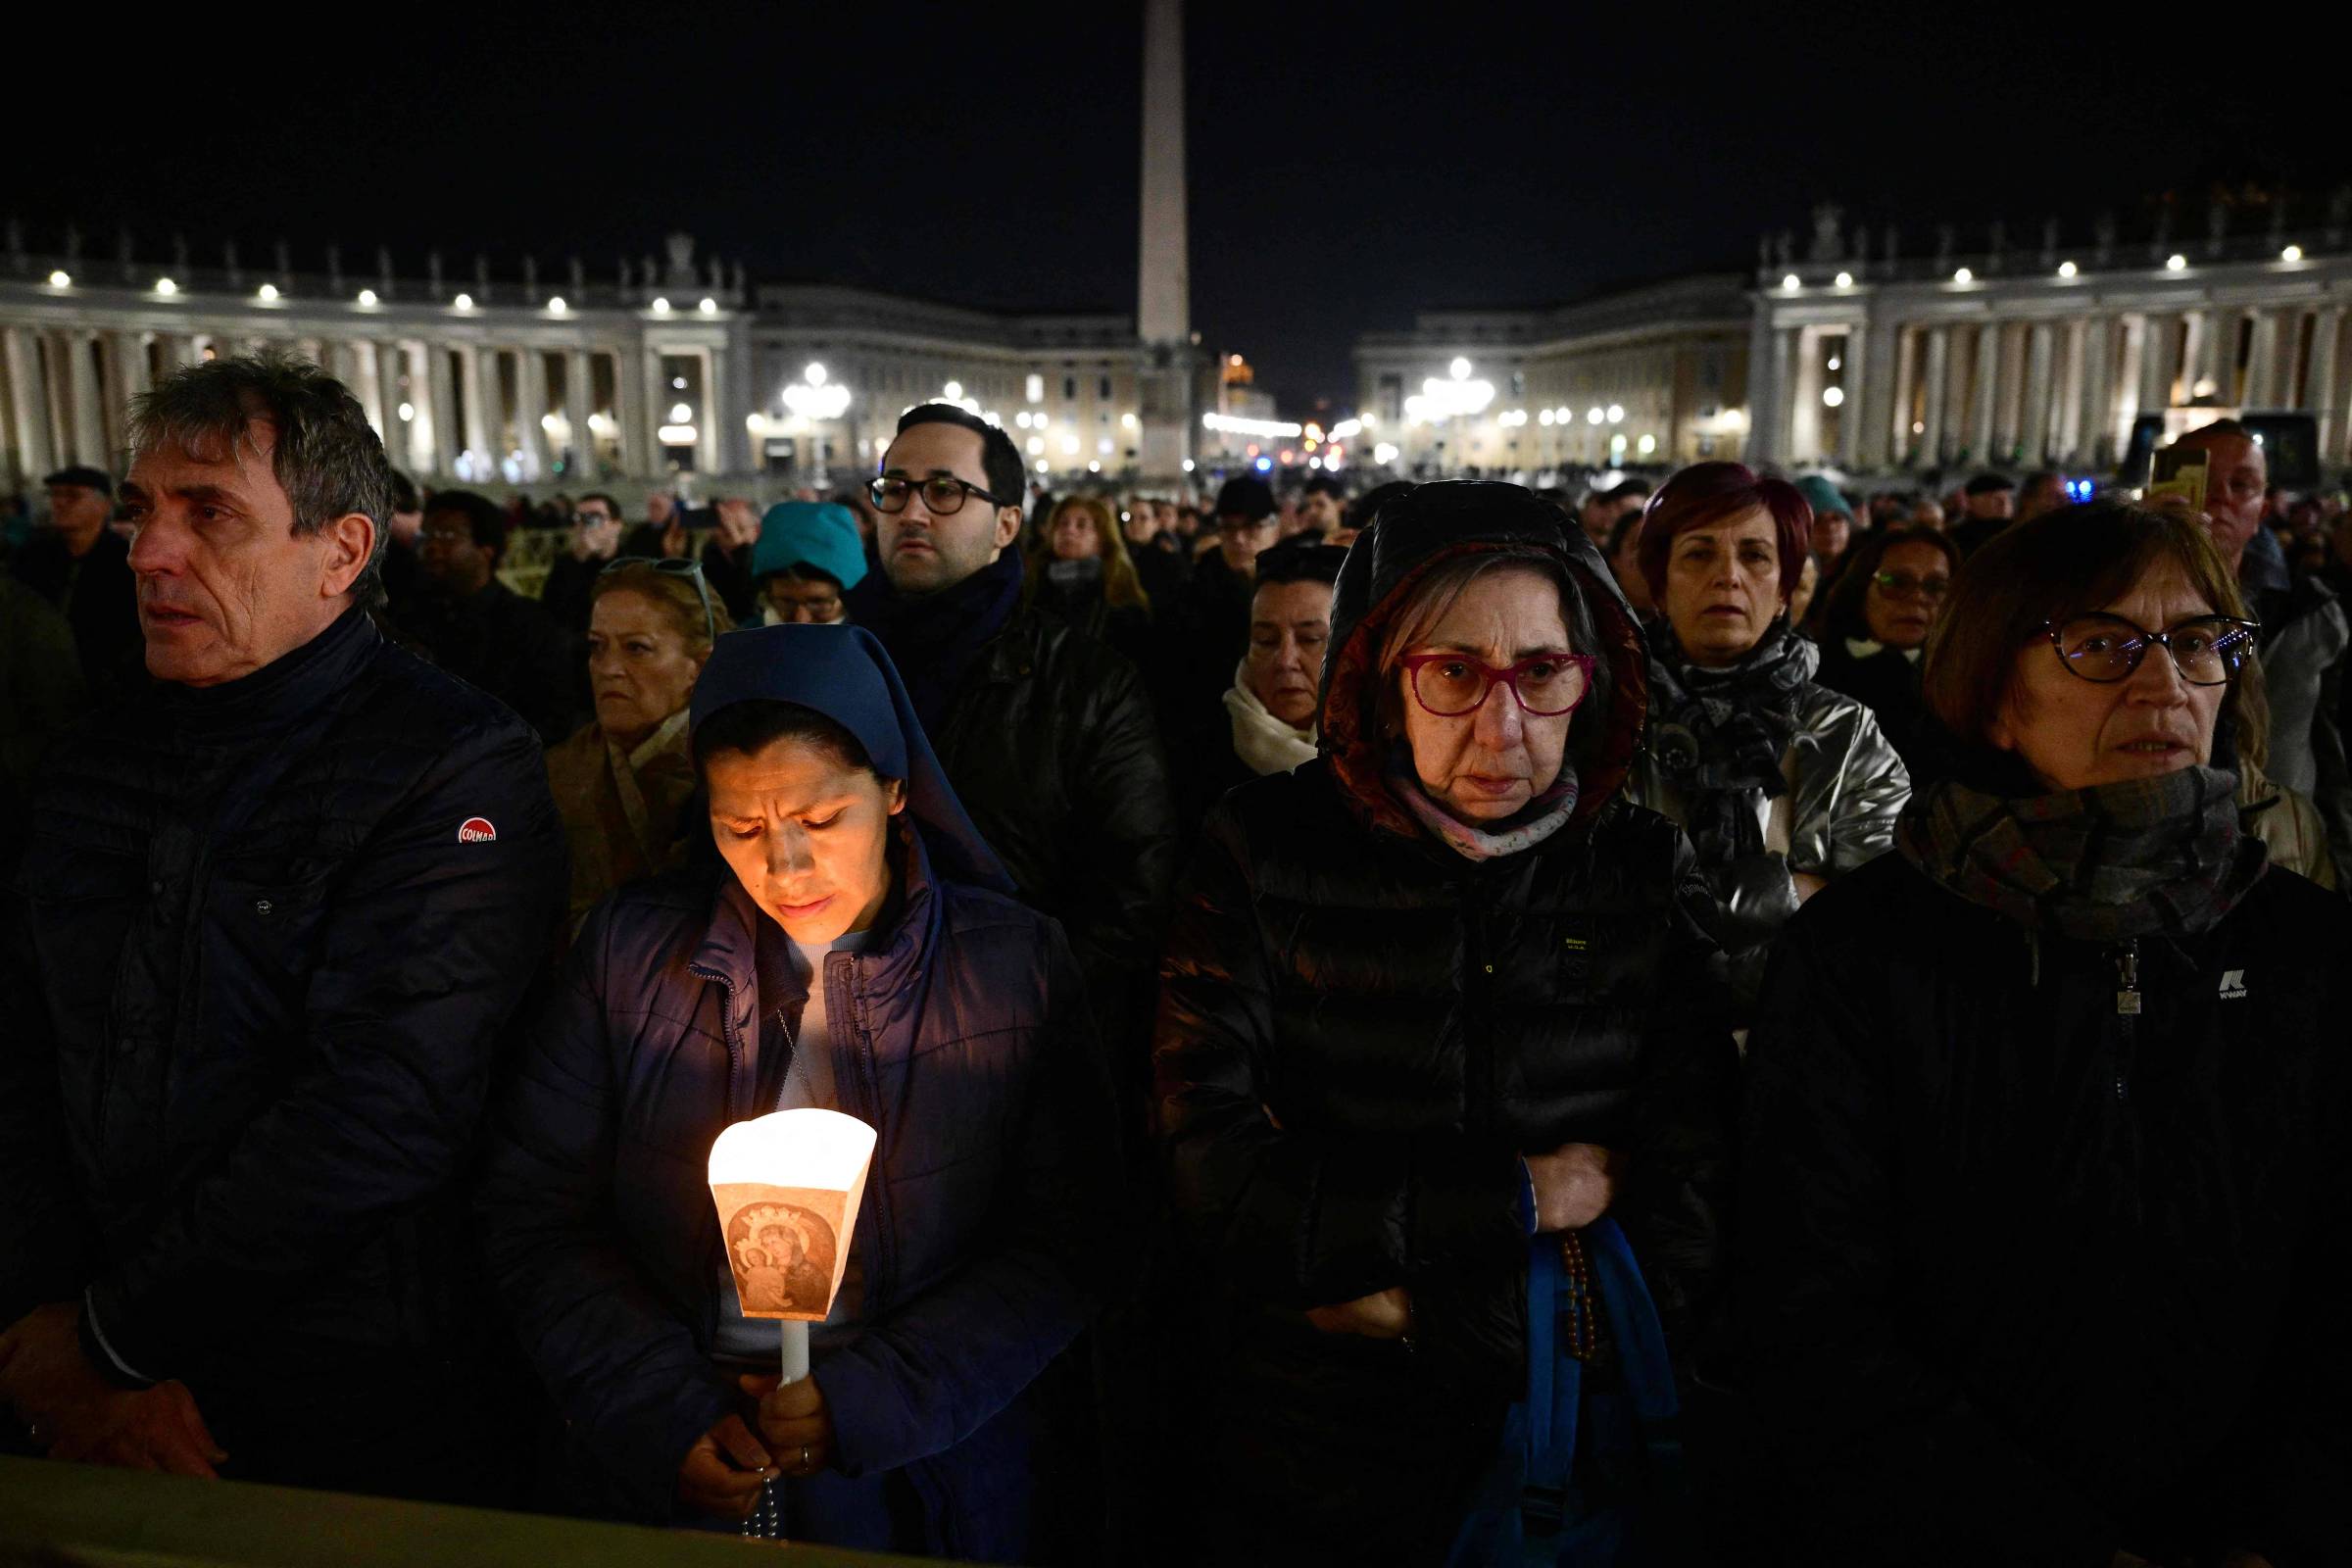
(1706, 1019)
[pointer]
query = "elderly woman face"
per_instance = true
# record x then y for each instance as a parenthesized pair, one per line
(640, 665)
(1486, 764)
(807, 833)
(1722, 586)
(2076, 733)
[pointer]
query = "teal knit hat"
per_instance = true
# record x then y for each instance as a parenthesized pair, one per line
(1822, 497)
(812, 533)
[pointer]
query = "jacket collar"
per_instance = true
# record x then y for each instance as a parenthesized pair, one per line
(279, 693)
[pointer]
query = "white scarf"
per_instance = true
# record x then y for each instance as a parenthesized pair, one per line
(1864, 648)
(1260, 739)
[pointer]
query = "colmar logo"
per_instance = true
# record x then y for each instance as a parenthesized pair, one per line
(476, 830)
(2234, 984)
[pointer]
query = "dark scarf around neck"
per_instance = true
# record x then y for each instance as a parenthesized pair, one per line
(1717, 735)
(2099, 865)
(934, 639)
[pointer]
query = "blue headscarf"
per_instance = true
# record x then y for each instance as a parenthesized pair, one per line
(815, 533)
(842, 672)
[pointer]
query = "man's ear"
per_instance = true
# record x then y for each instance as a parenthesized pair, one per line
(350, 542)
(1008, 525)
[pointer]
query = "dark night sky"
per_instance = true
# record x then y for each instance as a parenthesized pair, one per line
(1343, 172)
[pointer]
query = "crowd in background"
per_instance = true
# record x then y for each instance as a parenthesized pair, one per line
(1335, 970)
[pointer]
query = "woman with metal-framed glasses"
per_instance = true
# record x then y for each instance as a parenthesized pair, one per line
(2044, 1231)
(1441, 1070)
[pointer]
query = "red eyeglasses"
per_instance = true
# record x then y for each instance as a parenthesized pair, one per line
(1451, 685)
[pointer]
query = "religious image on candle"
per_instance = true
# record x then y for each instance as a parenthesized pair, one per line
(782, 1254)
(786, 1187)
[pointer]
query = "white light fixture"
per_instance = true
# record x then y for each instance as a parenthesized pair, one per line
(813, 374)
(464, 302)
(756, 422)
(1459, 369)
(2293, 253)
(709, 306)
(1127, 421)
(1069, 446)
(1235, 425)
(267, 293)
(2176, 263)
(1547, 417)
(953, 391)
(368, 296)
(61, 278)
(1792, 282)
(661, 307)
(2067, 269)
(1616, 413)
(675, 435)
(1188, 465)
(1837, 363)
(1595, 415)
(678, 383)
(1964, 275)
(557, 306)
(408, 412)
(1833, 396)
(166, 287)
(1384, 454)
(1563, 414)
(1042, 466)
(1036, 445)
(1845, 281)
(679, 413)
(547, 421)
(818, 399)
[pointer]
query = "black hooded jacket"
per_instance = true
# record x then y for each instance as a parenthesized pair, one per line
(1362, 1032)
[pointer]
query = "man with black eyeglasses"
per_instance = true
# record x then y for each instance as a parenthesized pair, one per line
(1046, 734)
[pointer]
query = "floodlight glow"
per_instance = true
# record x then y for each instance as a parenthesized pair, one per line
(2067, 270)
(266, 292)
(166, 287)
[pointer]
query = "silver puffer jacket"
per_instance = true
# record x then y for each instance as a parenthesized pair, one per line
(1847, 786)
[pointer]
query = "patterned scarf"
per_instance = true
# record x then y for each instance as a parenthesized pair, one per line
(1530, 826)
(2096, 864)
(1717, 735)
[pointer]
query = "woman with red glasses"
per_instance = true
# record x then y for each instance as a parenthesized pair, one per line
(1780, 783)
(1443, 1075)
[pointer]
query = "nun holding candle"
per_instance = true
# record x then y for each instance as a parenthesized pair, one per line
(857, 952)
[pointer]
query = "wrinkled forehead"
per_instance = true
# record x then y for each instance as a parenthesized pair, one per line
(239, 459)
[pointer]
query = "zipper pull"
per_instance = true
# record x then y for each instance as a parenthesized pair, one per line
(2127, 970)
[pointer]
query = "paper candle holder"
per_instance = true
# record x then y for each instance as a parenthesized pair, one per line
(787, 1187)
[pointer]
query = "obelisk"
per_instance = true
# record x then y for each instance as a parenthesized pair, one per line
(1164, 320)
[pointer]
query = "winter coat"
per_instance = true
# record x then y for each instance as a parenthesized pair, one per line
(2287, 823)
(608, 847)
(262, 947)
(2304, 640)
(1847, 786)
(961, 1035)
(98, 595)
(1362, 1032)
(507, 646)
(2024, 1278)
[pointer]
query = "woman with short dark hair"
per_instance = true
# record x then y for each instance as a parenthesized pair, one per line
(1873, 632)
(856, 951)
(1780, 783)
(2046, 1237)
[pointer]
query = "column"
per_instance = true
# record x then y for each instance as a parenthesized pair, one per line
(388, 424)
(342, 362)
(629, 411)
(2097, 435)
(130, 353)
(1764, 390)
(578, 384)
(89, 404)
(1870, 357)
(2326, 399)
(531, 409)
(2156, 373)
(442, 390)
(2204, 356)
(486, 417)
(2034, 420)
(2066, 413)
(1889, 437)
(1804, 402)
(1985, 393)
(2008, 383)
(654, 410)
(1935, 377)
(28, 404)
(2262, 360)
(711, 435)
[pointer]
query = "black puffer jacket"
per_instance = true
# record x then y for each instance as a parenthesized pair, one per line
(1050, 747)
(2023, 1279)
(259, 956)
(1362, 1032)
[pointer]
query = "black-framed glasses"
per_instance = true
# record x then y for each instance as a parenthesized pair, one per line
(1903, 584)
(1451, 685)
(942, 493)
(671, 567)
(2207, 649)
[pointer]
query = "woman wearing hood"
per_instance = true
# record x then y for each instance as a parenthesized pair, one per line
(1442, 1078)
(857, 952)
(1780, 783)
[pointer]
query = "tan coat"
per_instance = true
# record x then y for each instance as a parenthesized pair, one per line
(619, 829)
(2287, 823)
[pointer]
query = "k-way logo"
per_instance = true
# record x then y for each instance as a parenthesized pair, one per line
(2234, 984)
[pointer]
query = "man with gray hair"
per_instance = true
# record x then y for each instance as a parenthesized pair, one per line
(272, 918)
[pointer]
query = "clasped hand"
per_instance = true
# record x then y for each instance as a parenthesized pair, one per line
(71, 1413)
(728, 1465)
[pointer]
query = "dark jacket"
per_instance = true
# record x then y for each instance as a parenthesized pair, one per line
(507, 646)
(1889, 685)
(1361, 1033)
(261, 946)
(1051, 745)
(2305, 637)
(2023, 1279)
(98, 595)
(990, 1194)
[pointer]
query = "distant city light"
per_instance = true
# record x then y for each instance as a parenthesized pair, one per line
(1188, 465)
(813, 374)
(1235, 425)
(1069, 446)
(1547, 417)
(953, 391)
(408, 412)
(709, 306)
(547, 422)
(1384, 454)
(1833, 396)
(464, 302)
(166, 287)
(61, 278)
(2067, 269)
(1649, 444)
(1127, 421)
(661, 307)
(1042, 466)
(2293, 253)
(1595, 415)
(1964, 275)
(367, 296)
(1036, 445)
(1792, 282)
(1616, 413)
(676, 435)
(557, 306)
(1093, 468)
(1845, 281)
(1104, 445)
(1459, 369)
(2176, 263)
(266, 292)
(679, 413)
(1265, 464)
(678, 383)
(1837, 363)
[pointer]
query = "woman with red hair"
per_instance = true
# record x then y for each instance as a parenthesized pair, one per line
(1780, 783)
